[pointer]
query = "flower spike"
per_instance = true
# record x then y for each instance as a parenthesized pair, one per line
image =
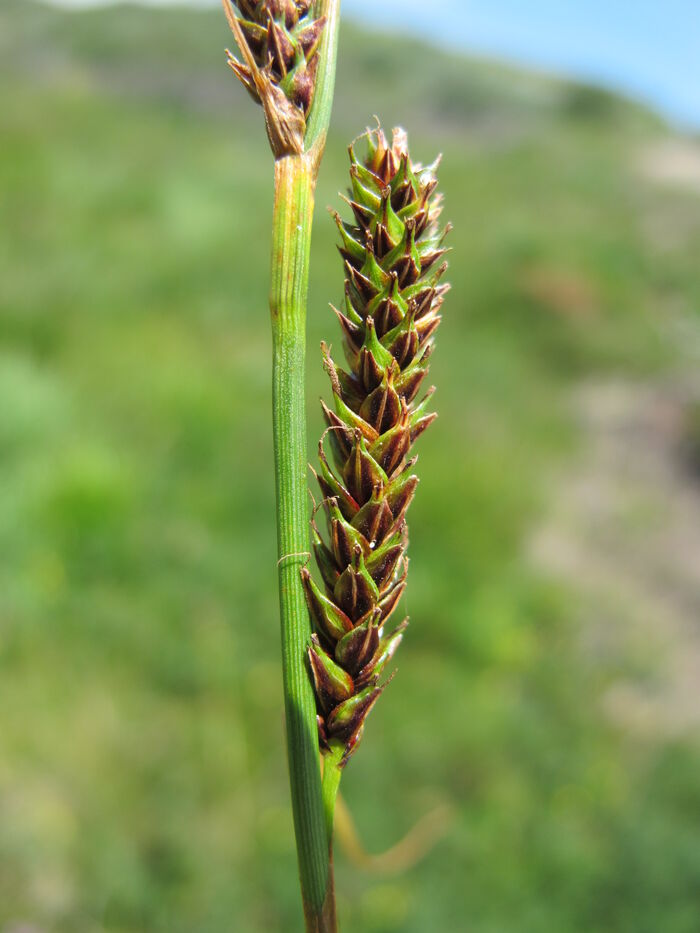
(390, 248)
(278, 41)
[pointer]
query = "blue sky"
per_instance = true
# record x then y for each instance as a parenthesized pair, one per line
(649, 49)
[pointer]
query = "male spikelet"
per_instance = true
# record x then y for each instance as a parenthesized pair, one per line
(391, 251)
(279, 42)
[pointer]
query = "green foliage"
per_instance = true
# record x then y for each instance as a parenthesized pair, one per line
(142, 785)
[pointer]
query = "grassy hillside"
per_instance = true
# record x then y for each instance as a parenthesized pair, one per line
(142, 783)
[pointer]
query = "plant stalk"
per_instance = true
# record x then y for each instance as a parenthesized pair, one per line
(295, 180)
(332, 772)
(293, 210)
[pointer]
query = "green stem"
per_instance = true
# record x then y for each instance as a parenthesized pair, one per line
(295, 180)
(293, 210)
(332, 772)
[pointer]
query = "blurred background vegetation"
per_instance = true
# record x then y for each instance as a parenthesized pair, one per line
(547, 691)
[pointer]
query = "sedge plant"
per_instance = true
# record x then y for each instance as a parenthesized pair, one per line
(338, 635)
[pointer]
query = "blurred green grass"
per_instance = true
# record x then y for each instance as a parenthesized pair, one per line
(142, 779)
